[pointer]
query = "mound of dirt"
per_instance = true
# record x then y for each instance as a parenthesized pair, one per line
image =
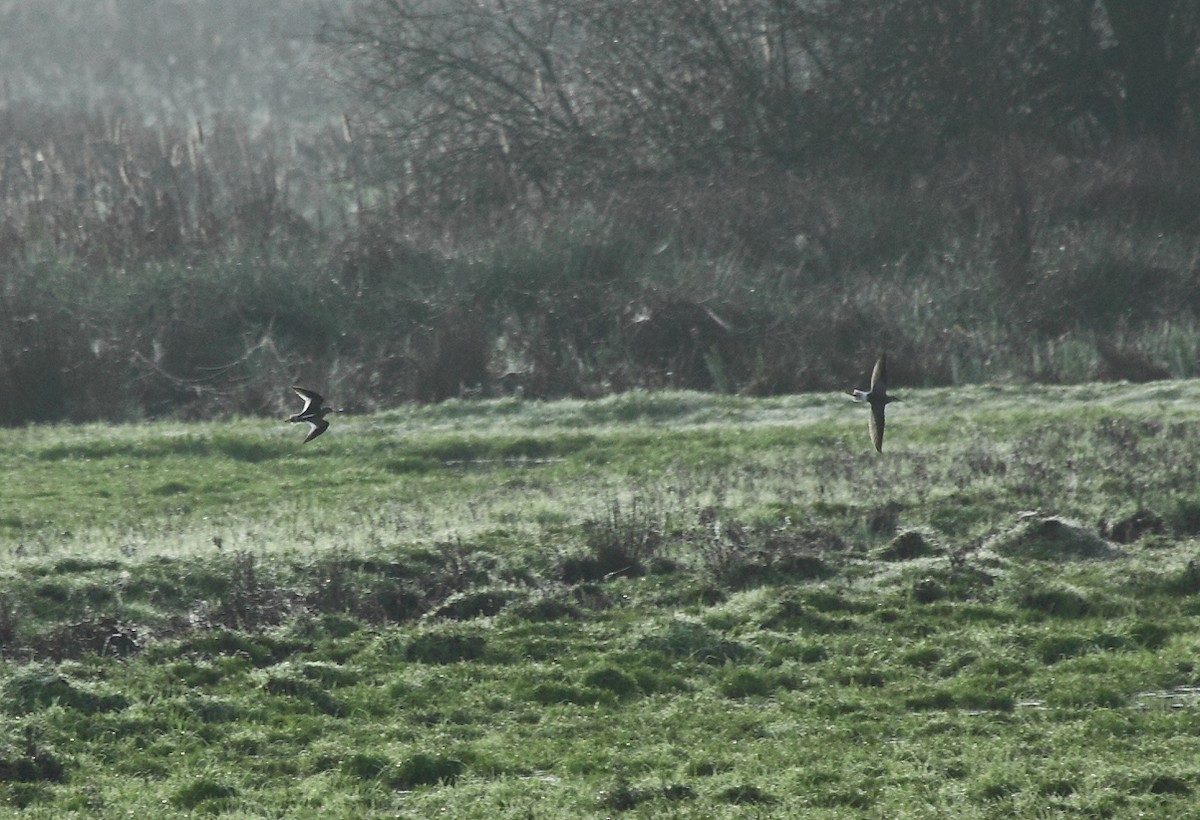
(1048, 537)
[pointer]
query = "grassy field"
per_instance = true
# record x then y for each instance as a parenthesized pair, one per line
(651, 605)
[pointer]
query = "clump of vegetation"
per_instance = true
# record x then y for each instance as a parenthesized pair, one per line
(739, 556)
(423, 769)
(27, 761)
(205, 793)
(625, 542)
(908, 545)
(446, 646)
(1132, 527)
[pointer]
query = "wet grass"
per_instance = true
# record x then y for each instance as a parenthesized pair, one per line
(649, 605)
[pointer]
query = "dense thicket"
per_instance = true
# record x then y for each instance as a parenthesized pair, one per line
(565, 97)
(568, 197)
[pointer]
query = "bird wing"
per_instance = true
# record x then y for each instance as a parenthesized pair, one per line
(316, 428)
(879, 375)
(310, 397)
(877, 426)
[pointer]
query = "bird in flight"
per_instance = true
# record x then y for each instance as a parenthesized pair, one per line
(878, 398)
(312, 412)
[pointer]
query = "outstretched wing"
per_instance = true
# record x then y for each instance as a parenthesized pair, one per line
(310, 397)
(316, 428)
(879, 377)
(877, 426)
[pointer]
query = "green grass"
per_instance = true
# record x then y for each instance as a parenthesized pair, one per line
(652, 605)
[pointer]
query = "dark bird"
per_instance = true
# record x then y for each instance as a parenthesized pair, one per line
(878, 398)
(312, 412)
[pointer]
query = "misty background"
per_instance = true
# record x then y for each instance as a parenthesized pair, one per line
(204, 202)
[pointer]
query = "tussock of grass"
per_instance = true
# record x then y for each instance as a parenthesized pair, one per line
(908, 545)
(1048, 537)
